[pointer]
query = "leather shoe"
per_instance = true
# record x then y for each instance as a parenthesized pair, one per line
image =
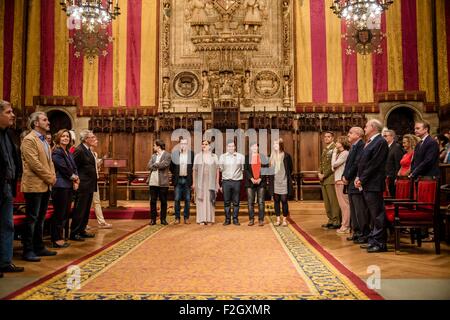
(31, 257)
(251, 222)
(327, 225)
(360, 241)
(164, 222)
(352, 238)
(376, 248)
(76, 238)
(11, 268)
(87, 235)
(261, 223)
(366, 246)
(334, 226)
(152, 222)
(59, 246)
(46, 253)
(236, 223)
(227, 222)
(186, 221)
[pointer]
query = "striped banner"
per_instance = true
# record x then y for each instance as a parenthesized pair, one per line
(403, 64)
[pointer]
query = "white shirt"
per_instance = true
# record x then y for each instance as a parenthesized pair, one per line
(154, 177)
(183, 164)
(232, 166)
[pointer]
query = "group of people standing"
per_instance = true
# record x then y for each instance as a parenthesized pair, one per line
(354, 174)
(59, 172)
(203, 175)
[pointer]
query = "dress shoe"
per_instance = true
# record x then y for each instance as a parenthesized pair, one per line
(366, 246)
(334, 226)
(251, 223)
(236, 223)
(360, 241)
(327, 225)
(164, 222)
(352, 238)
(31, 257)
(152, 222)
(186, 221)
(60, 246)
(11, 268)
(105, 226)
(177, 221)
(87, 235)
(226, 222)
(76, 237)
(46, 253)
(376, 248)
(261, 223)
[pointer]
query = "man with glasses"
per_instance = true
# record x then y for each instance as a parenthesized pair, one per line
(86, 165)
(393, 161)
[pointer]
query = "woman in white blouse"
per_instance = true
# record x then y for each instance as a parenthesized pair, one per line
(338, 160)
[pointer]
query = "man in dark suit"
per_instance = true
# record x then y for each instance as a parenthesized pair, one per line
(359, 215)
(371, 181)
(393, 161)
(181, 169)
(10, 167)
(426, 154)
(87, 172)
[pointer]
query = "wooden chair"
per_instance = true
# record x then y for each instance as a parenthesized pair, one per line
(309, 180)
(423, 212)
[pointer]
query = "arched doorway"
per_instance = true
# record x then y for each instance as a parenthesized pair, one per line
(58, 120)
(401, 120)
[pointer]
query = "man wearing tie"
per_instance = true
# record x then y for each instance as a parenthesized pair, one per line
(393, 161)
(37, 179)
(425, 162)
(87, 171)
(371, 181)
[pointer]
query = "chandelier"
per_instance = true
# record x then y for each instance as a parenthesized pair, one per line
(360, 12)
(90, 13)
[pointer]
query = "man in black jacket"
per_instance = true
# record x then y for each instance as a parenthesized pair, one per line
(10, 167)
(181, 169)
(85, 161)
(371, 181)
(393, 161)
(425, 162)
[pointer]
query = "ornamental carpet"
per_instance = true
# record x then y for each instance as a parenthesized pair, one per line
(205, 262)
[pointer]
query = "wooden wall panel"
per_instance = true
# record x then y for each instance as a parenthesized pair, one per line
(309, 151)
(143, 150)
(103, 144)
(122, 148)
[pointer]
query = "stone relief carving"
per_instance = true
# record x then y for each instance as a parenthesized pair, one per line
(267, 83)
(186, 84)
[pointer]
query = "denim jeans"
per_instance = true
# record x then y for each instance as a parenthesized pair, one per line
(231, 192)
(182, 191)
(36, 208)
(252, 192)
(6, 226)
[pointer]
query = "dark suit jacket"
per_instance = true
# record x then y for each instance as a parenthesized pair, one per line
(288, 167)
(249, 173)
(426, 159)
(65, 167)
(85, 162)
(372, 165)
(175, 167)
(351, 166)
(17, 163)
(393, 161)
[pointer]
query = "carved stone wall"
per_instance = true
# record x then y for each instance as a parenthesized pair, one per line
(216, 52)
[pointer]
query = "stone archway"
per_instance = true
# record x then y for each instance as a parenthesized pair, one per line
(59, 120)
(401, 119)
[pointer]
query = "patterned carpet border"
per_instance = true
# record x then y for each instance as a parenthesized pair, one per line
(326, 276)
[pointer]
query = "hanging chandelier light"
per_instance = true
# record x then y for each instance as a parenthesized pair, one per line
(90, 13)
(360, 12)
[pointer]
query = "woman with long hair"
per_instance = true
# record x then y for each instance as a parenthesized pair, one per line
(67, 181)
(281, 181)
(409, 142)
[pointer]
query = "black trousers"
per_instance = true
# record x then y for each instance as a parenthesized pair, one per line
(62, 202)
(283, 198)
(80, 215)
(375, 205)
(36, 208)
(161, 193)
(391, 187)
(359, 215)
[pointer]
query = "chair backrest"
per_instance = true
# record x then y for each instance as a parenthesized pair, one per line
(403, 188)
(427, 190)
(20, 197)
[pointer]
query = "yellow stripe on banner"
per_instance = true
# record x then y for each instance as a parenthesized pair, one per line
(90, 82)
(61, 68)
(444, 92)
(365, 78)
(303, 51)
(120, 56)
(425, 48)
(149, 55)
(334, 57)
(394, 46)
(16, 71)
(2, 28)
(33, 52)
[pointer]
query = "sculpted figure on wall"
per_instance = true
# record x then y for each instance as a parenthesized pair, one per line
(205, 85)
(196, 14)
(255, 12)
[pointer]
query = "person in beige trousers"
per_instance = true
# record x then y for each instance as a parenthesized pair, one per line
(338, 161)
